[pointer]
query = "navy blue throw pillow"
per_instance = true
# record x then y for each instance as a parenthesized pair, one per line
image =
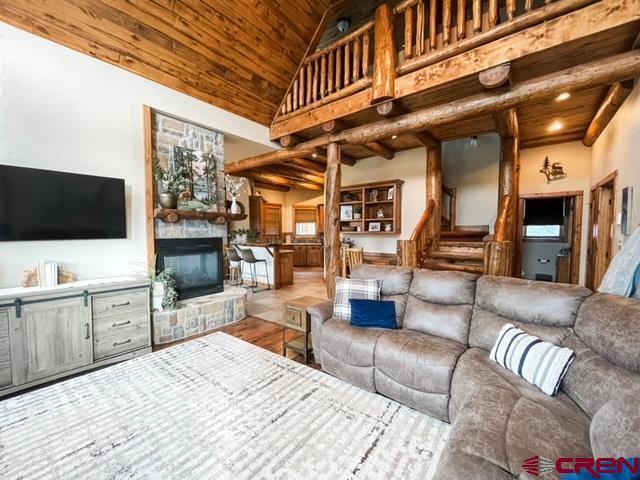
(373, 313)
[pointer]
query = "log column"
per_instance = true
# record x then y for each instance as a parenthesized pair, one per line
(508, 182)
(332, 218)
(384, 66)
(434, 189)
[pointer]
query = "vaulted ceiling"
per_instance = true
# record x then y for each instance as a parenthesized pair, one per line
(239, 55)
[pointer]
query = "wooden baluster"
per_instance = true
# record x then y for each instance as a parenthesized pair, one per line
(494, 13)
(433, 10)
(461, 25)
(301, 82)
(309, 83)
(289, 103)
(323, 76)
(295, 94)
(339, 68)
(347, 64)
(511, 9)
(528, 5)
(331, 74)
(420, 19)
(408, 32)
(284, 108)
(446, 22)
(477, 16)
(316, 73)
(366, 48)
(356, 59)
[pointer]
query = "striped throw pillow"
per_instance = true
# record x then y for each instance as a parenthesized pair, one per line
(540, 363)
(348, 288)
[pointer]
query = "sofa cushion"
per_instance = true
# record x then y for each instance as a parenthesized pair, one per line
(347, 352)
(415, 369)
(592, 380)
(615, 429)
(610, 325)
(395, 283)
(347, 289)
(440, 303)
(546, 310)
(371, 313)
(505, 428)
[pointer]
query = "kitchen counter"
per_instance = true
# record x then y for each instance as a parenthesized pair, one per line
(278, 262)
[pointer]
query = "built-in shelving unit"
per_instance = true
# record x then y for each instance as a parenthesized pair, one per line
(371, 208)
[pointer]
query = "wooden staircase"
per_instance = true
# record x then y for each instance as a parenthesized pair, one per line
(460, 250)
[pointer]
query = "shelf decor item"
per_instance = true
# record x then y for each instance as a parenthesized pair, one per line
(374, 195)
(374, 227)
(171, 185)
(380, 212)
(390, 193)
(357, 212)
(235, 185)
(388, 227)
(346, 212)
(201, 172)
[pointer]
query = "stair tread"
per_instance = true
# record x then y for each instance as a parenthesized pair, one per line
(454, 266)
(465, 255)
(454, 243)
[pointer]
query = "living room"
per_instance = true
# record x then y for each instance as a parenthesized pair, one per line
(368, 240)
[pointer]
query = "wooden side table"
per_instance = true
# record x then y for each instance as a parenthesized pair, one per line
(295, 317)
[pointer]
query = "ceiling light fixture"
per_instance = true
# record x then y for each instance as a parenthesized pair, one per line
(563, 96)
(473, 141)
(343, 24)
(314, 155)
(393, 137)
(556, 126)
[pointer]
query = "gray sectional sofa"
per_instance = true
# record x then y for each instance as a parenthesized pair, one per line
(438, 362)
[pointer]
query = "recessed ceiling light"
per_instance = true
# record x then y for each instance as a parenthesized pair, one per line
(563, 96)
(314, 155)
(393, 137)
(556, 126)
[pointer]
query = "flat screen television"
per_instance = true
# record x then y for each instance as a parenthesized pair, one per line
(46, 205)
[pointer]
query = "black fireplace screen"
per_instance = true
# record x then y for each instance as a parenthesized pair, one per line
(196, 264)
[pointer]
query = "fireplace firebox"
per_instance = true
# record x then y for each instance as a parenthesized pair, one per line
(196, 264)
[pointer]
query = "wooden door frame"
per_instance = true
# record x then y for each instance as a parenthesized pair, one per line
(576, 229)
(607, 180)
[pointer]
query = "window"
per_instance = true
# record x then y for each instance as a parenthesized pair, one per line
(543, 231)
(305, 221)
(544, 219)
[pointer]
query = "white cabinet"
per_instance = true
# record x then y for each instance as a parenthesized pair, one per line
(6, 377)
(50, 333)
(51, 337)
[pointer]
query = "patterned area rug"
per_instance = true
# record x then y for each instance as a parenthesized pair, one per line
(214, 408)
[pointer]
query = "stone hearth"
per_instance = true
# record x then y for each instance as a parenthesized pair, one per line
(199, 315)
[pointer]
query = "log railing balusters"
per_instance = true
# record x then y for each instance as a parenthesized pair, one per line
(433, 24)
(339, 68)
(528, 5)
(309, 83)
(446, 22)
(494, 13)
(347, 64)
(323, 76)
(316, 80)
(302, 85)
(295, 94)
(511, 9)
(461, 23)
(330, 72)
(420, 27)
(477, 16)
(366, 49)
(357, 59)
(408, 32)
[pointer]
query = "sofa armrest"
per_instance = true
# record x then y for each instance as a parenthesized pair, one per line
(319, 313)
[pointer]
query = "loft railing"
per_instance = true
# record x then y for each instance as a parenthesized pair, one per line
(339, 70)
(415, 251)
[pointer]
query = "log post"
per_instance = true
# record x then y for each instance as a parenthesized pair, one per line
(434, 190)
(384, 66)
(332, 218)
(508, 181)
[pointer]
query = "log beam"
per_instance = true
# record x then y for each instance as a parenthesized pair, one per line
(286, 172)
(306, 165)
(270, 158)
(288, 141)
(496, 76)
(271, 186)
(380, 150)
(270, 178)
(616, 96)
(332, 183)
(392, 108)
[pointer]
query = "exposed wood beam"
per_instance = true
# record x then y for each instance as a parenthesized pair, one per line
(307, 165)
(379, 149)
(495, 77)
(391, 109)
(507, 124)
(553, 28)
(285, 172)
(332, 218)
(321, 156)
(616, 96)
(290, 140)
(271, 186)
(268, 159)
(333, 126)
(426, 139)
(278, 180)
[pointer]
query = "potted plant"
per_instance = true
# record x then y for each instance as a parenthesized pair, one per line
(164, 291)
(243, 235)
(171, 184)
(234, 187)
(357, 212)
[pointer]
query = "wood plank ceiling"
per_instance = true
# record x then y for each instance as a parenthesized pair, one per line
(238, 55)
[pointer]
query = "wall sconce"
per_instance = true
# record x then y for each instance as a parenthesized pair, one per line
(553, 171)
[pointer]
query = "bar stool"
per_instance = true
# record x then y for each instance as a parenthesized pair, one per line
(235, 266)
(249, 258)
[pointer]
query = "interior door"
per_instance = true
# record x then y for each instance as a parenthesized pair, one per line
(601, 217)
(52, 337)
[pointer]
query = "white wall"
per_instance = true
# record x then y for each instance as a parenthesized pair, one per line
(617, 149)
(576, 161)
(62, 110)
(473, 171)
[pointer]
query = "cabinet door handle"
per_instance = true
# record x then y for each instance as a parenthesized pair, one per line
(87, 333)
(117, 344)
(116, 305)
(114, 325)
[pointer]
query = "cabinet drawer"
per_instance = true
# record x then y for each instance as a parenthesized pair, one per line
(117, 303)
(130, 338)
(293, 317)
(112, 324)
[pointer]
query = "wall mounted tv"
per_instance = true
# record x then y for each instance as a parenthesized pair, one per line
(46, 205)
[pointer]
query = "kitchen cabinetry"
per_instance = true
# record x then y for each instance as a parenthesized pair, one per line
(265, 218)
(308, 255)
(50, 332)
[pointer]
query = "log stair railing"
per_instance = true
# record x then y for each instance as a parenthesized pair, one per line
(415, 251)
(336, 71)
(499, 249)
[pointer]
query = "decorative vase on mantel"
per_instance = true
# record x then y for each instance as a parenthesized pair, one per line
(168, 200)
(235, 208)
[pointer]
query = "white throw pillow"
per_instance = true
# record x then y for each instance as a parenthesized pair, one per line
(540, 363)
(348, 288)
